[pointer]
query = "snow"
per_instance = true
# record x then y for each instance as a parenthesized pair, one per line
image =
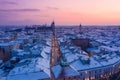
(47, 49)
(48, 43)
(44, 65)
(68, 71)
(39, 68)
(71, 57)
(46, 52)
(24, 53)
(4, 44)
(1, 61)
(109, 48)
(29, 76)
(1, 71)
(13, 58)
(84, 58)
(3, 78)
(110, 61)
(57, 70)
(18, 50)
(36, 52)
(43, 54)
(31, 67)
(78, 66)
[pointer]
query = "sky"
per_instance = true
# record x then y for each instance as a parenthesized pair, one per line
(63, 12)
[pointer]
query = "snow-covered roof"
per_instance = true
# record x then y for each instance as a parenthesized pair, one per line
(68, 72)
(1, 61)
(43, 54)
(3, 78)
(35, 52)
(109, 48)
(47, 49)
(1, 72)
(23, 53)
(4, 44)
(71, 57)
(78, 66)
(57, 70)
(30, 68)
(29, 76)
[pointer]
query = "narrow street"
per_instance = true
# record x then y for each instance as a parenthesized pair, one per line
(55, 54)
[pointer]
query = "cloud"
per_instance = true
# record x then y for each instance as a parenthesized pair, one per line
(22, 22)
(52, 8)
(8, 3)
(19, 10)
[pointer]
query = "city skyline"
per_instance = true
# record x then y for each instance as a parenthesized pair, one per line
(64, 12)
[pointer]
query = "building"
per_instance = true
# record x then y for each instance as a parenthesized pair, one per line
(46, 28)
(82, 43)
(4, 53)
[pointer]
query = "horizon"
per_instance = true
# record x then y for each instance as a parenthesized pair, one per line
(32, 25)
(63, 12)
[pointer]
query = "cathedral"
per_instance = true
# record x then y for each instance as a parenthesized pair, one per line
(45, 28)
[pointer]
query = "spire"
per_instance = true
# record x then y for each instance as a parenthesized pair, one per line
(80, 29)
(53, 27)
(52, 23)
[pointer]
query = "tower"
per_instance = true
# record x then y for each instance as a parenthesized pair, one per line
(80, 29)
(53, 27)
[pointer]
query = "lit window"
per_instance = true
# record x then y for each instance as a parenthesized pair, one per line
(87, 79)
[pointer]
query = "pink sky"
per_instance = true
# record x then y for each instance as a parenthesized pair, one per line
(64, 12)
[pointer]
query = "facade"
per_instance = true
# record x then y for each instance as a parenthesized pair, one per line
(83, 43)
(4, 56)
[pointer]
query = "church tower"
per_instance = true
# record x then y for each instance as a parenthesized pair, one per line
(80, 29)
(53, 27)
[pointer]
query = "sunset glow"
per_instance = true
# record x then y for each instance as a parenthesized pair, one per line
(64, 12)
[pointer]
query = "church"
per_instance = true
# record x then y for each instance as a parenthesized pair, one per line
(45, 28)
